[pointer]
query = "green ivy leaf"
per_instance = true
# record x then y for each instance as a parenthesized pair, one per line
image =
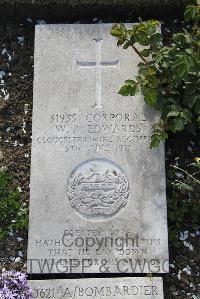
(122, 27)
(187, 115)
(128, 90)
(156, 38)
(181, 67)
(150, 94)
(145, 52)
(177, 124)
(155, 142)
(116, 31)
(121, 40)
(143, 40)
(130, 82)
(126, 45)
(173, 113)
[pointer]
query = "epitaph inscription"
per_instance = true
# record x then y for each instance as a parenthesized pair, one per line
(97, 192)
(98, 189)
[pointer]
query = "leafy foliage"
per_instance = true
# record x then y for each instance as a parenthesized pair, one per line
(183, 197)
(168, 76)
(13, 215)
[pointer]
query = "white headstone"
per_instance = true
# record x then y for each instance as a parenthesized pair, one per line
(97, 190)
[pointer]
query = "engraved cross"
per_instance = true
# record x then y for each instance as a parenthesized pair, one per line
(98, 64)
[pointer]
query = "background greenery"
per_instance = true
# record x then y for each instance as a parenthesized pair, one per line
(168, 75)
(13, 213)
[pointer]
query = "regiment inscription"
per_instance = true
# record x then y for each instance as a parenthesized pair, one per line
(102, 131)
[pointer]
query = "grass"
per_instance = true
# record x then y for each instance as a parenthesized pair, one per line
(13, 214)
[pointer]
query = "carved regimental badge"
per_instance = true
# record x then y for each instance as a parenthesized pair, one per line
(98, 189)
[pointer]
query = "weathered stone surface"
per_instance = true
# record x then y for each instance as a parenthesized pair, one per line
(97, 190)
(118, 288)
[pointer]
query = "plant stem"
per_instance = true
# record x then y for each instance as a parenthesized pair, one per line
(138, 53)
(197, 181)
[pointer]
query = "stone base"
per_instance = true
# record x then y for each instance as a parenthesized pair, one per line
(99, 288)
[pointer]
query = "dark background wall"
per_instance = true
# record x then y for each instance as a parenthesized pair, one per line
(73, 9)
